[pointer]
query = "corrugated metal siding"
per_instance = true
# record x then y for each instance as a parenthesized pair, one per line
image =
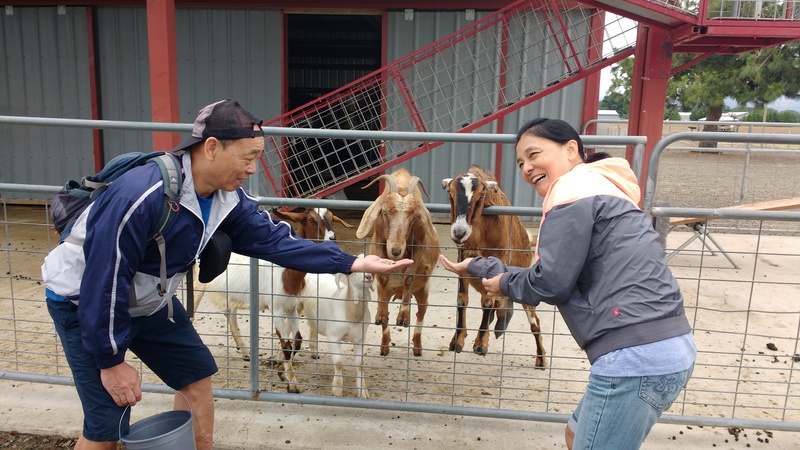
(123, 77)
(221, 54)
(449, 160)
(229, 54)
(45, 74)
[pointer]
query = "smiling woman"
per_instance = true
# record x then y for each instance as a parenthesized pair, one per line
(599, 260)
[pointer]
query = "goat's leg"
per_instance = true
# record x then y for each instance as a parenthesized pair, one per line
(421, 295)
(386, 339)
(336, 355)
(286, 373)
(457, 343)
(358, 351)
(536, 329)
(404, 315)
(481, 345)
(382, 317)
(294, 328)
(233, 325)
(313, 336)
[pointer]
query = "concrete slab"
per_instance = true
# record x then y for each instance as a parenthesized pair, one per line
(240, 424)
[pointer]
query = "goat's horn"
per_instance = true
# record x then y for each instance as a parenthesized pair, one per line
(388, 178)
(414, 183)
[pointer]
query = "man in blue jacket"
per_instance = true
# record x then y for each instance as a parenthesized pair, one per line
(103, 286)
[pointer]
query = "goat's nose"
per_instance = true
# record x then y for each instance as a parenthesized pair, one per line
(396, 252)
(458, 235)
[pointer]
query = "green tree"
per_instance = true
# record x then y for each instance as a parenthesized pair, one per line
(768, 74)
(758, 77)
(618, 96)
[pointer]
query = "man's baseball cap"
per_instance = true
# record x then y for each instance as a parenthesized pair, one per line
(224, 120)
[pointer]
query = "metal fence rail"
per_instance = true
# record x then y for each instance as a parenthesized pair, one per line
(739, 381)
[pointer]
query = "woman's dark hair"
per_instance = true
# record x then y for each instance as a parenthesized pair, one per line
(596, 156)
(555, 130)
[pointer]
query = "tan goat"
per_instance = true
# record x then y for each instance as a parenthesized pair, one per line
(401, 227)
(501, 236)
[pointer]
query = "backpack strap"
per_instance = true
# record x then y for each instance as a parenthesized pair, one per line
(173, 180)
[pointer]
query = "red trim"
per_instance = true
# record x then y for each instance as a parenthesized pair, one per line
(501, 99)
(384, 63)
(276, 4)
(161, 43)
(694, 61)
(94, 91)
(651, 72)
(286, 181)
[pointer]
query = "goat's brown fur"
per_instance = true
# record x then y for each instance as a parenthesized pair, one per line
(501, 236)
(401, 227)
(311, 226)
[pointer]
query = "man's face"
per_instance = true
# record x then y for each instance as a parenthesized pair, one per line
(237, 161)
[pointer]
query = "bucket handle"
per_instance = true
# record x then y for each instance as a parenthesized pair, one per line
(128, 408)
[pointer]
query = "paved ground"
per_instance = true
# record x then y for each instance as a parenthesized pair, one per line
(49, 409)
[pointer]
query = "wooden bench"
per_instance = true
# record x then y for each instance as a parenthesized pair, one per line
(698, 224)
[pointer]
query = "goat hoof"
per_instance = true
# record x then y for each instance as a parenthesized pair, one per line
(455, 347)
(384, 350)
(481, 350)
(540, 364)
(403, 322)
(292, 389)
(417, 351)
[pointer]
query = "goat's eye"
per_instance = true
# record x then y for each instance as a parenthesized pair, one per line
(310, 219)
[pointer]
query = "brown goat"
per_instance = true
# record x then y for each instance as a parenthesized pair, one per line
(501, 236)
(401, 227)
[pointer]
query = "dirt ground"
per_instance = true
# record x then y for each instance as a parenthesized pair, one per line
(26, 441)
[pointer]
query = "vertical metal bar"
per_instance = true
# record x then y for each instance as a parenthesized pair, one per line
(255, 309)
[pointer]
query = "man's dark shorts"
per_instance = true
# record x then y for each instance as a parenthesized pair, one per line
(173, 351)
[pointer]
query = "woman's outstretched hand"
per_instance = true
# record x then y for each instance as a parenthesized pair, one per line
(459, 268)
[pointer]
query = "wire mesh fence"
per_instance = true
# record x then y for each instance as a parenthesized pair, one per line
(746, 323)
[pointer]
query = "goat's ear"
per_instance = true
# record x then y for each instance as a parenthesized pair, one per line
(491, 185)
(367, 225)
(446, 182)
(296, 217)
(341, 221)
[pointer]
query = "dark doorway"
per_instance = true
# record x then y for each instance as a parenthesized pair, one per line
(326, 52)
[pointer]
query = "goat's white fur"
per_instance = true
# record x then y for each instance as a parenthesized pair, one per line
(334, 308)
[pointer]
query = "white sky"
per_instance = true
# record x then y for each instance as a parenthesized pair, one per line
(619, 40)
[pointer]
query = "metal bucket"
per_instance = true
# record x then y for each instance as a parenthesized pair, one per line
(171, 430)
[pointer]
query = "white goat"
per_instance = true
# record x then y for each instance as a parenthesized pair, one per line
(401, 227)
(341, 317)
(230, 291)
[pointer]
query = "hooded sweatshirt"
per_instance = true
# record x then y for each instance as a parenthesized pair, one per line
(599, 261)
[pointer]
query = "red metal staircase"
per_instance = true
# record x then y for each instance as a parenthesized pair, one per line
(484, 71)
